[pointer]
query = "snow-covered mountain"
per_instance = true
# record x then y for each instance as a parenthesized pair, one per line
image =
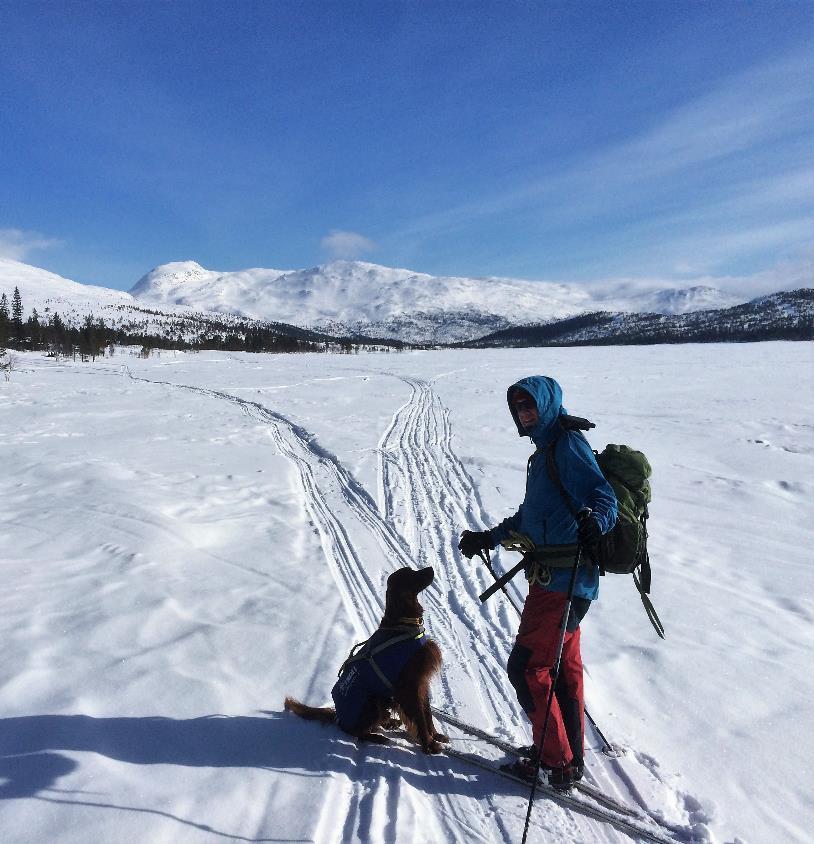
(346, 297)
(47, 291)
(779, 316)
(684, 300)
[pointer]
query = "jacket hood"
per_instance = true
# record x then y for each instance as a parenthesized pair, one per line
(547, 394)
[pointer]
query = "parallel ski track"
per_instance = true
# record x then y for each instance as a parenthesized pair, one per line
(426, 492)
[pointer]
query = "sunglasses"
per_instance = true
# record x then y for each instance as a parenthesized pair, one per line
(524, 405)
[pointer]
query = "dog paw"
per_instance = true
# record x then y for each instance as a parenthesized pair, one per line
(433, 747)
(373, 738)
(441, 737)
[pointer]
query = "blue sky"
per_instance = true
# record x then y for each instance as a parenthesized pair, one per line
(564, 141)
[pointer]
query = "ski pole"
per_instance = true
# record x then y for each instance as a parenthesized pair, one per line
(557, 664)
(608, 749)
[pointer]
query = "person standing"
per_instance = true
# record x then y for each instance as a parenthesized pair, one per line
(568, 503)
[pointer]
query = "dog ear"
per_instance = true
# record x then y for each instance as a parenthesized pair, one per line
(398, 601)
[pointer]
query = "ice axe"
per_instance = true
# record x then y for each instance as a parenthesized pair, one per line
(500, 582)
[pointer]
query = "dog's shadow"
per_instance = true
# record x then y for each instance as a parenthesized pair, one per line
(37, 751)
(31, 761)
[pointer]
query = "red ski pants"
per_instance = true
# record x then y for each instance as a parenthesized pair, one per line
(531, 667)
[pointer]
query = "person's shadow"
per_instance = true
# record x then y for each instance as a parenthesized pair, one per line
(31, 762)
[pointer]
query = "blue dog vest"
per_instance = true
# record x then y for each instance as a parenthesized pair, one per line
(372, 670)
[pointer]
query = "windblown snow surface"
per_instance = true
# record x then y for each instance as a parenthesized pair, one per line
(189, 538)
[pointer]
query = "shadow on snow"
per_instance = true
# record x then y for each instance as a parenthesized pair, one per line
(31, 762)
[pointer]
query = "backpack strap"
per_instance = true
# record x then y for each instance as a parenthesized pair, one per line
(532, 458)
(352, 657)
(370, 655)
(644, 567)
(554, 474)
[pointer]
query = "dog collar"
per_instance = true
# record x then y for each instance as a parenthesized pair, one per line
(416, 622)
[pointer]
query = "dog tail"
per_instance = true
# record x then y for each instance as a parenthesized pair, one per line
(325, 714)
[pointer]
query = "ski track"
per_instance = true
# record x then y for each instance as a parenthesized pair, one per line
(425, 497)
(428, 495)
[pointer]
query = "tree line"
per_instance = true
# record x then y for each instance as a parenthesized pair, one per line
(92, 337)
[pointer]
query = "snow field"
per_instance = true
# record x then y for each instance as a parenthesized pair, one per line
(187, 543)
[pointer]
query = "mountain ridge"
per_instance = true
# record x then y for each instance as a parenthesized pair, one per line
(353, 299)
(785, 315)
(344, 297)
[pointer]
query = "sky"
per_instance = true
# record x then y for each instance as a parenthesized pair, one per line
(574, 141)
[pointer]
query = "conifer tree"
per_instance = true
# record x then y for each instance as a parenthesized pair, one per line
(58, 336)
(4, 320)
(34, 329)
(17, 309)
(17, 316)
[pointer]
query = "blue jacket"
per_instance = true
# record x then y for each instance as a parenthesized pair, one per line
(359, 681)
(544, 516)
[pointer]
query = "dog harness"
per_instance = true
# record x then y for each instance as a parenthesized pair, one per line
(372, 668)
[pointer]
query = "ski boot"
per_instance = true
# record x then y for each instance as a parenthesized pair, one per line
(523, 769)
(566, 777)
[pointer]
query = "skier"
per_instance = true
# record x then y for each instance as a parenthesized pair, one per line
(545, 523)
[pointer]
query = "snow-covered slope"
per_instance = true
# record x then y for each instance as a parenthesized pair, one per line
(45, 290)
(779, 316)
(683, 300)
(189, 542)
(352, 296)
(50, 293)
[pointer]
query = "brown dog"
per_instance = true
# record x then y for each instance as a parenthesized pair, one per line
(390, 673)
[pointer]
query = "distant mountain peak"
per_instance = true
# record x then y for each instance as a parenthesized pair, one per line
(169, 275)
(699, 297)
(345, 296)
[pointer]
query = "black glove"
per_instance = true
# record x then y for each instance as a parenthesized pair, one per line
(474, 541)
(588, 531)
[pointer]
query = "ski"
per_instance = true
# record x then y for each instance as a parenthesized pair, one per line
(589, 790)
(636, 827)
(625, 824)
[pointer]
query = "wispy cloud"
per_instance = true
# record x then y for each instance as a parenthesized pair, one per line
(342, 244)
(745, 112)
(19, 245)
(733, 164)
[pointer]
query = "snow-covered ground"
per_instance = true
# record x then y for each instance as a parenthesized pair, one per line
(187, 539)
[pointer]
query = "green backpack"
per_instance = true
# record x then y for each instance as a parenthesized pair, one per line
(623, 550)
(625, 547)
